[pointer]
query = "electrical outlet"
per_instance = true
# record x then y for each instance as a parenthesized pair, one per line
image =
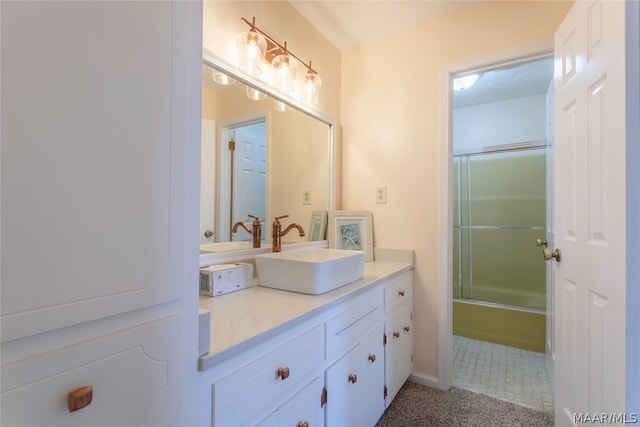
(381, 195)
(306, 197)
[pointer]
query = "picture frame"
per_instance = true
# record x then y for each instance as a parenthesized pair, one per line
(318, 227)
(351, 230)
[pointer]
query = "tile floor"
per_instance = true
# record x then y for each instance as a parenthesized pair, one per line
(503, 372)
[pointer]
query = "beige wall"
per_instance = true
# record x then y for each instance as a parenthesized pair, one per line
(391, 123)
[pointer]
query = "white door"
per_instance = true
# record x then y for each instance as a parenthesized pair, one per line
(589, 211)
(207, 181)
(250, 173)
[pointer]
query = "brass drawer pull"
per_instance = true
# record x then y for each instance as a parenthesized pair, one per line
(401, 293)
(396, 334)
(372, 358)
(407, 328)
(79, 398)
(282, 373)
(303, 424)
(353, 378)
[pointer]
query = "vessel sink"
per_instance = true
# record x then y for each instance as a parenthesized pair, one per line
(310, 270)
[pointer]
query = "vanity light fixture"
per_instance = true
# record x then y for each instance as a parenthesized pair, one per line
(252, 47)
(465, 82)
(282, 61)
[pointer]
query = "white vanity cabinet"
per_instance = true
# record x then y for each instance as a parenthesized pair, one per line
(398, 333)
(327, 367)
(355, 384)
(302, 410)
(244, 396)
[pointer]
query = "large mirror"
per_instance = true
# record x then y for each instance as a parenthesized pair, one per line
(263, 155)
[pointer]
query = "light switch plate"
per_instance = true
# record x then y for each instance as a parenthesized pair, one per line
(381, 195)
(306, 197)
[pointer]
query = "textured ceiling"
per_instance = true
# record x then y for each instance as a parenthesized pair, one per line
(508, 82)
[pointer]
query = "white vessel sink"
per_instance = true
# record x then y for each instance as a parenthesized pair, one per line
(309, 270)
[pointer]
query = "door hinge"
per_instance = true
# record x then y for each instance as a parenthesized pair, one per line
(385, 392)
(232, 145)
(323, 397)
(384, 339)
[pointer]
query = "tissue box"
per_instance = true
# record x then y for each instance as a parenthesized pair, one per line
(222, 279)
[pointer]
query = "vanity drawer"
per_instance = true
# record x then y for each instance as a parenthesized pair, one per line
(398, 292)
(255, 388)
(344, 329)
(134, 374)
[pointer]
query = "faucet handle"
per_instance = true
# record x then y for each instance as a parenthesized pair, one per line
(257, 218)
(278, 218)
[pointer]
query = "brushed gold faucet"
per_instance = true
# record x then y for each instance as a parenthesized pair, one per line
(256, 233)
(277, 232)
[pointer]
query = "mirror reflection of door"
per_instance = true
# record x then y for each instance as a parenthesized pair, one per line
(248, 183)
(207, 181)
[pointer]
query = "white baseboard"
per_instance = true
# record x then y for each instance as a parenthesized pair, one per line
(426, 380)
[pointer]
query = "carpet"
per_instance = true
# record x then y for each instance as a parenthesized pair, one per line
(419, 406)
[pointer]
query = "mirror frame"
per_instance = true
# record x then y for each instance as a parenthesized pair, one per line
(218, 63)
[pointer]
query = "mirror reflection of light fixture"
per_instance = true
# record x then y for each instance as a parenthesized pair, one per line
(255, 94)
(222, 78)
(252, 47)
(284, 64)
(279, 106)
(465, 82)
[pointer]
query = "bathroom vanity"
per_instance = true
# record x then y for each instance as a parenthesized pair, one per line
(285, 358)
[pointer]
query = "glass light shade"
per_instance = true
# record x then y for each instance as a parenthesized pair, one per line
(311, 87)
(252, 46)
(255, 94)
(284, 72)
(465, 82)
(222, 78)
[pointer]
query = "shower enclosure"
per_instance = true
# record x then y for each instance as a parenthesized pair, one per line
(499, 285)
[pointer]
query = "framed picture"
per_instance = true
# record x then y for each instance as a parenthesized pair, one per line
(352, 230)
(318, 228)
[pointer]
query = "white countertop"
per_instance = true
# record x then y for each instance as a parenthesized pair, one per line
(242, 319)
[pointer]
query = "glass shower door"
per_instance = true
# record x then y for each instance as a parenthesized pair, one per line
(499, 205)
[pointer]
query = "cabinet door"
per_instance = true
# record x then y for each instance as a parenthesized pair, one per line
(355, 384)
(399, 350)
(95, 140)
(303, 409)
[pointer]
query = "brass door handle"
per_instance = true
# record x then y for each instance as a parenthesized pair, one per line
(548, 255)
(282, 373)
(353, 378)
(208, 233)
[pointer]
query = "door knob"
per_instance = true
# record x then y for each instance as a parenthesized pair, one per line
(208, 233)
(540, 242)
(548, 255)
